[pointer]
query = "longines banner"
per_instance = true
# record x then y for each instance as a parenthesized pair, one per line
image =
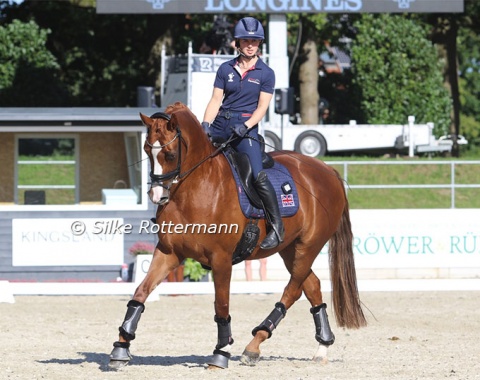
(279, 6)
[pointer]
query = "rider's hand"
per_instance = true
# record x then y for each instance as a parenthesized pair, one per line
(206, 127)
(240, 130)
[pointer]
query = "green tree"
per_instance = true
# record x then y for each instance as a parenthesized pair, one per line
(469, 82)
(27, 65)
(468, 53)
(104, 58)
(450, 32)
(307, 32)
(396, 73)
(336, 86)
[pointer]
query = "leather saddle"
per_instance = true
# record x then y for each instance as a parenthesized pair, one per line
(241, 163)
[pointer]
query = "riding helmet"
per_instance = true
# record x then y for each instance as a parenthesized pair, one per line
(249, 28)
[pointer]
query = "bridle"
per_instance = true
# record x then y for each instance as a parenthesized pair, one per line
(176, 175)
(159, 179)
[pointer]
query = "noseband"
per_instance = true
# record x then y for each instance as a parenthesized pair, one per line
(159, 179)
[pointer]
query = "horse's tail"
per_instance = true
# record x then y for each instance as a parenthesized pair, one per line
(346, 300)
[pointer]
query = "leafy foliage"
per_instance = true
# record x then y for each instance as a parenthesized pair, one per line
(194, 270)
(469, 67)
(28, 65)
(61, 53)
(397, 77)
(303, 32)
(103, 58)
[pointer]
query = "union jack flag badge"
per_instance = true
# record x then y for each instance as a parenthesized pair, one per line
(287, 200)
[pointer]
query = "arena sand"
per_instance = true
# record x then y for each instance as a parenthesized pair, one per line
(411, 335)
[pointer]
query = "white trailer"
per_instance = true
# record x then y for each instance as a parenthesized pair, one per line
(189, 78)
(319, 140)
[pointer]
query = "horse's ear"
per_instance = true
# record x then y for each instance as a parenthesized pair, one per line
(146, 120)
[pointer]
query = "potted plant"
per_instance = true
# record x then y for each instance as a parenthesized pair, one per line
(193, 271)
(143, 253)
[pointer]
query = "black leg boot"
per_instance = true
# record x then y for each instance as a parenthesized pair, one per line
(269, 199)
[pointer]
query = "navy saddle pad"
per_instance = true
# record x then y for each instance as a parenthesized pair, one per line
(282, 182)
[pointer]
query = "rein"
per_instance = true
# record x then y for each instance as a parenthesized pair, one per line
(176, 174)
(214, 153)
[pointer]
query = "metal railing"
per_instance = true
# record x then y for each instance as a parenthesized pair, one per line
(46, 162)
(452, 185)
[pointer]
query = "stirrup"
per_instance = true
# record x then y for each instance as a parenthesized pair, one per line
(272, 240)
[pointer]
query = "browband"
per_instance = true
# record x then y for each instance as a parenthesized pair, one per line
(161, 115)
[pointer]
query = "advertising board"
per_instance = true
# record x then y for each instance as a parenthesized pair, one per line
(65, 242)
(279, 6)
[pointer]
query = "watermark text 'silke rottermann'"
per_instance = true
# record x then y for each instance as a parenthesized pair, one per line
(115, 226)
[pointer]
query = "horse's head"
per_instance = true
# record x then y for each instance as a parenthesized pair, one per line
(169, 134)
(163, 148)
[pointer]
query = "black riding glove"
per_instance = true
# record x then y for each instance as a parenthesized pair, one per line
(206, 127)
(240, 130)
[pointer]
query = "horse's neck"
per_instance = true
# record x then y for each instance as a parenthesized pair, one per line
(212, 174)
(211, 165)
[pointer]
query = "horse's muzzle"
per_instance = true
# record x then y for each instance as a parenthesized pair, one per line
(163, 201)
(159, 195)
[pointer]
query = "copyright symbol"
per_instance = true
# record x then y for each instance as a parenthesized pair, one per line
(78, 228)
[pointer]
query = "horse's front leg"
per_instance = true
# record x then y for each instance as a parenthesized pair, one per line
(222, 273)
(160, 266)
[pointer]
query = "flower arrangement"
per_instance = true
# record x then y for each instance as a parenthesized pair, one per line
(141, 248)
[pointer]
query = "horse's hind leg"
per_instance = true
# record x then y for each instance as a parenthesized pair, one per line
(251, 354)
(323, 332)
(299, 272)
(301, 280)
(159, 268)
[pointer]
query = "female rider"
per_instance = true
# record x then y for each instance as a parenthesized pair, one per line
(242, 92)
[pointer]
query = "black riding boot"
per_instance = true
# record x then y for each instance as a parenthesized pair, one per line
(269, 199)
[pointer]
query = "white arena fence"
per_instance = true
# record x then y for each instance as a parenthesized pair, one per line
(452, 185)
(395, 250)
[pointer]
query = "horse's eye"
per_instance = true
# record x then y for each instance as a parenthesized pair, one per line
(170, 156)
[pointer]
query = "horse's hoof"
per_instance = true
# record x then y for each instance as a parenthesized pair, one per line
(320, 360)
(120, 356)
(211, 367)
(250, 358)
(117, 364)
(219, 359)
(321, 355)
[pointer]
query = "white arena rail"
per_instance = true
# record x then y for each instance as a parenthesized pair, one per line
(395, 250)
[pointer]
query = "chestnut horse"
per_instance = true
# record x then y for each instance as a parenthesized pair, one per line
(193, 184)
